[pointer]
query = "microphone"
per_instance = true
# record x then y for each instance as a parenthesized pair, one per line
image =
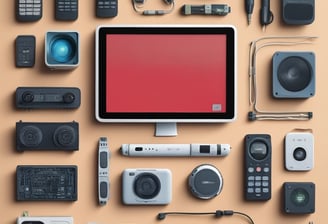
(178, 150)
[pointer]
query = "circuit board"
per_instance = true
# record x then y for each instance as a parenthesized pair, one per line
(46, 183)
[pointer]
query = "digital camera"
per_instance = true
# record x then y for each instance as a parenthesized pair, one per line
(146, 186)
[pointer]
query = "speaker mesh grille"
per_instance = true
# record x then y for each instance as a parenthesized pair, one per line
(294, 74)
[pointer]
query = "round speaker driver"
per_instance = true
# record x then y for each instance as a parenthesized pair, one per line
(294, 73)
(205, 182)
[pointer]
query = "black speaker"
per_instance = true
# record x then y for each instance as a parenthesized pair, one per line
(298, 12)
(47, 136)
(205, 181)
(299, 197)
(293, 75)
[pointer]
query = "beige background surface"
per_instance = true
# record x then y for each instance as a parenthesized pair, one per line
(86, 208)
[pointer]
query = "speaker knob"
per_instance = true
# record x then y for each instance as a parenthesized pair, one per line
(30, 136)
(64, 136)
(28, 97)
(69, 97)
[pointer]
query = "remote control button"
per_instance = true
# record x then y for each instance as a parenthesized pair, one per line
(265, 178)
(265, 183)
(250, 190)
(250, 169)
(250, 183)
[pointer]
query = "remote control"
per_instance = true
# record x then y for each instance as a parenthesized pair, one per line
(25, 51)
(103, 171)
(66, 10)
(106, 8)
(257, 167)
(28, 10)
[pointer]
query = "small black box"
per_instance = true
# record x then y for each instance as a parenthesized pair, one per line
(298, 12)
(46, 183)
(47, 136)
(299, 197)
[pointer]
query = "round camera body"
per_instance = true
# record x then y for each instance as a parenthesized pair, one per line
(147, 186)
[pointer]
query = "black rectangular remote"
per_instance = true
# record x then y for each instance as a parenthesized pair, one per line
(106, 8)
(25, 51)
(66, 10)
(257, 167)
(28, 10)
(46, 183)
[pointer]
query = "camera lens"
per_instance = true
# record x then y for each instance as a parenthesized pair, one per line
(258, 150)
(62, 49)
(299, 154)
(147, 185)
(300, 197)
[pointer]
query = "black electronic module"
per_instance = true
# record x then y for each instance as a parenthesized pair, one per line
(46, 183)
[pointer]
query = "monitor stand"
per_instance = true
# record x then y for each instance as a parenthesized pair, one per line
(168, 129)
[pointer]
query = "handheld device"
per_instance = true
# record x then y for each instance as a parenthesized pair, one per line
(257, 167)
(25, 51)
(103, 171)
(299, 151)
(146, 186)
(175, 149)
(106, 8)
(66, 9)
(48, 97)
(28, 10)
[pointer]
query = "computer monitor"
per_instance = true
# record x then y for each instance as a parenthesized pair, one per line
(165, 74)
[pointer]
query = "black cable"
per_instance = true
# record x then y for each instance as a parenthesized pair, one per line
(217, 214)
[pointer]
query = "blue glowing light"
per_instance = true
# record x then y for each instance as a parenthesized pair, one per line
(62, 50)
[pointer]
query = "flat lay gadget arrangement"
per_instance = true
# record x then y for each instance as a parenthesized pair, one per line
(177, 69)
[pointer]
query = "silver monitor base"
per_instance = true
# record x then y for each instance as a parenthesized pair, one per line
(166, 129)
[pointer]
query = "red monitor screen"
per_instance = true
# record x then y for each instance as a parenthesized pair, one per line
(166, 73)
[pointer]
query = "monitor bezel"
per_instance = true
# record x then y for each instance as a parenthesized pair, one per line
(121, 117)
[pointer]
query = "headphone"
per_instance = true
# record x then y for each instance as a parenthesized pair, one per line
(138, 4)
